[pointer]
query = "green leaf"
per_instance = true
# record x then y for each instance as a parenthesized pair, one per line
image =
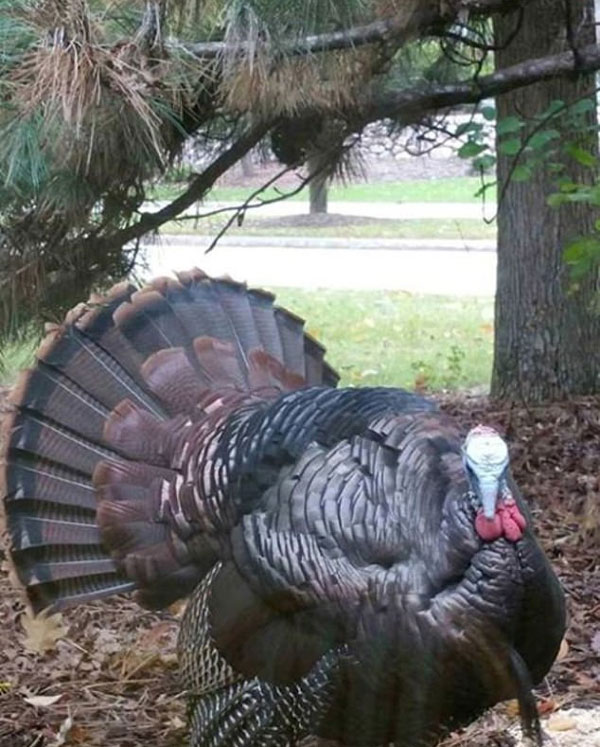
(553, 108)
(540, 139)
(508, 125)
(585, 248)
(485, 162)
(471, 149)
(488, 113)
(465, 127)
(556, 200)
(510, 147)
(568, 186)
(583, 106)
(584, 157)
(521, 173)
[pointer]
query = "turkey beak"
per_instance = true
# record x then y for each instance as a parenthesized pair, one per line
(488, 495)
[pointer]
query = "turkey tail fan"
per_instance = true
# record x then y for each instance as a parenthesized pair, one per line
(91, 444)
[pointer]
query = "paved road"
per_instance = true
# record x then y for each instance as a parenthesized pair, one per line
(417, 267)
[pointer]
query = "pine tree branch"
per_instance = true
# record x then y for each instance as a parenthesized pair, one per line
(198, 187)
(406, 107)
(419, 20)
(411, 105)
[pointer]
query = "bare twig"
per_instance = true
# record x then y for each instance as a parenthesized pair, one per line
(247, 204)
(241, 210)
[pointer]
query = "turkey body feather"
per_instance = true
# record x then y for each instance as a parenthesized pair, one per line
(188, 438)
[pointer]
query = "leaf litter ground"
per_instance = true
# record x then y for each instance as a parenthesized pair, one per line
(106, 673)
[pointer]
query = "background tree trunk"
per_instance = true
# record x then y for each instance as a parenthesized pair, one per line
(547, 342)
(317, 187)
(247, 164)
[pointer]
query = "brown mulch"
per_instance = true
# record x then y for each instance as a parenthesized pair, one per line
(111, 679)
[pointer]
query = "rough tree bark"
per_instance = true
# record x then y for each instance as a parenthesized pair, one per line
(547, 342)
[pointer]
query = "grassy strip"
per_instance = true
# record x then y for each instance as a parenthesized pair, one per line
(375, 229)
(373, 338)
(458, 189)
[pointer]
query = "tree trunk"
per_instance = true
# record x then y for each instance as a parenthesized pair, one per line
(247, 163)
(547, 342)
(317, 188)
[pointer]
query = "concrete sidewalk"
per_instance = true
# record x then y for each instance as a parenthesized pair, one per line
(416, 268)
(432, 266)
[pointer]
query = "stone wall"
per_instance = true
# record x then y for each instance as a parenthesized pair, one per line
(383, 152)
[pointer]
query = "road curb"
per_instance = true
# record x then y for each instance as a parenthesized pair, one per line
(305, 242)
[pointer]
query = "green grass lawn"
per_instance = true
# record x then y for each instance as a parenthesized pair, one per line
(387, 338)
(460, 189)
(375, 229)
(16, 355)
(396, 339)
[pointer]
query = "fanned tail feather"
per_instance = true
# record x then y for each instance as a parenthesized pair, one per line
(94, 502)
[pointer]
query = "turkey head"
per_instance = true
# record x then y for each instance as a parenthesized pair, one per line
(486, 462)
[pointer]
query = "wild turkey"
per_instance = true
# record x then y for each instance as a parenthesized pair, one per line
(357, 570)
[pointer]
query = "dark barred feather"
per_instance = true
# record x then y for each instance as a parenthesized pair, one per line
(97, 441)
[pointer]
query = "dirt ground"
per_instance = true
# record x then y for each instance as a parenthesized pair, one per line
(109, 674)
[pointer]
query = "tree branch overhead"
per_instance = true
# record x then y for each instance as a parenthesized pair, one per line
(418, 19)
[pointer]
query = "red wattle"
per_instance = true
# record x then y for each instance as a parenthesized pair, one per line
(517, 516)
(488, 529)
(510, 528)
(508, 522)
(513, 522)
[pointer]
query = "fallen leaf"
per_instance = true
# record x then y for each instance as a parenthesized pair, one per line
(178, 608)
(563, 651)
(42, 631)
(421, 383)
(595, 642)
(546, 705)
(77, 734)
(64, 733)
(560, 723)
(158, 633)
(42, 701)
(584, 680)
(177, 723)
